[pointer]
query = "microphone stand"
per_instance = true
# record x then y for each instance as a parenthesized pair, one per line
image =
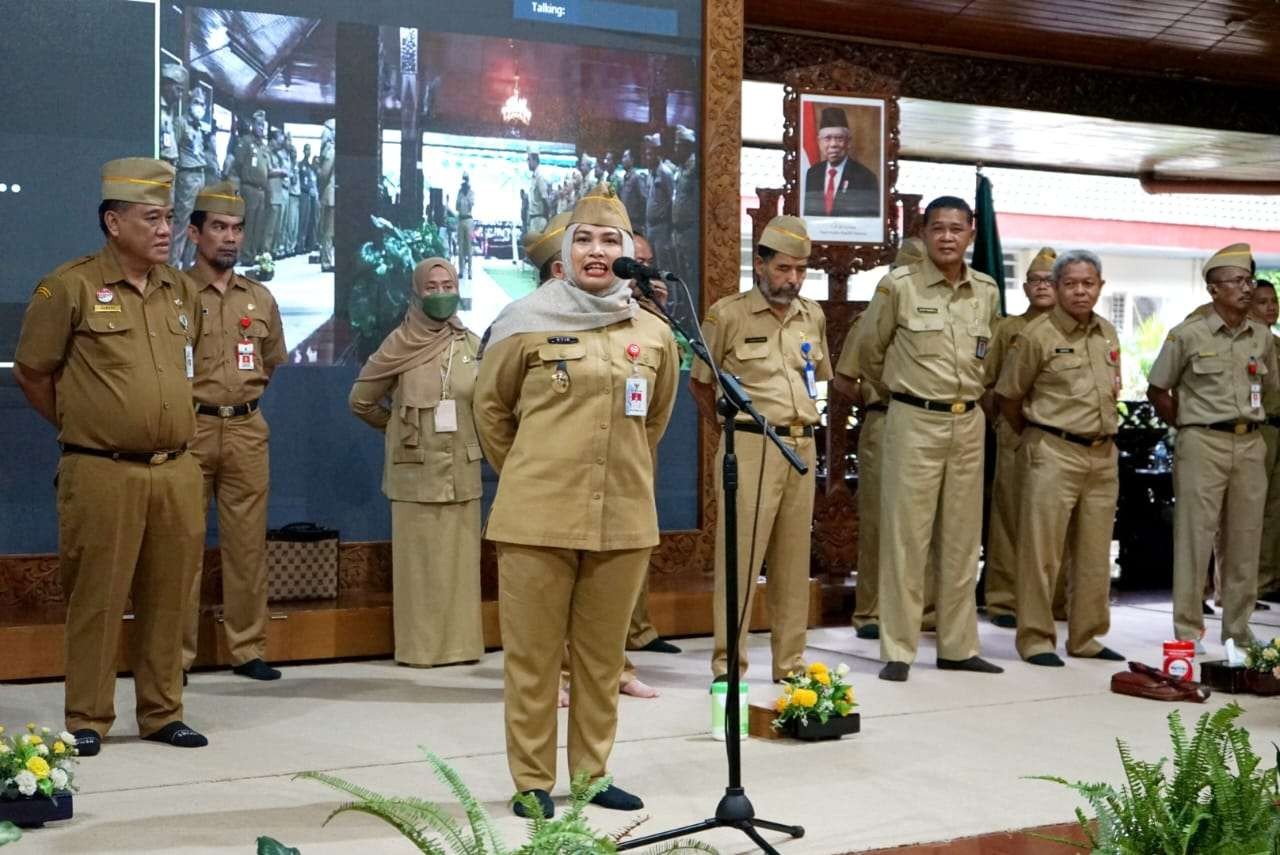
(734, 809)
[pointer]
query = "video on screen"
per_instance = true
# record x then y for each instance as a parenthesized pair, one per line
(361, 147)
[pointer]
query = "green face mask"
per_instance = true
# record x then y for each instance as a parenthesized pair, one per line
(440, 306)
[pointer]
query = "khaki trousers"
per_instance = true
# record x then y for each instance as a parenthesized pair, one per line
(233, 458)
(931, 488)
(326, 236)
(628, 670)
(435, 582)
(547, 595)
(1002, 536)
(1067, 493)
(1213, 472)
(782, 532)
(256, 213)
(126, 528)
(870, 451)
(641, 631)
(1269, 556)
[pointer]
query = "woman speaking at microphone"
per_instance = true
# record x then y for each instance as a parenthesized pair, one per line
(576, 387)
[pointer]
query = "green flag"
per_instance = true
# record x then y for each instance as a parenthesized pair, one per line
(987, 255)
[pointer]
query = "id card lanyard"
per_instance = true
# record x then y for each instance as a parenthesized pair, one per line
(1255, 386)
(810, 374)
(447, 410)
(244, 347)
(637, 388)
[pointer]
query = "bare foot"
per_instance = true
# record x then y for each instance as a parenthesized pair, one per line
(638, 689)
(563, 701)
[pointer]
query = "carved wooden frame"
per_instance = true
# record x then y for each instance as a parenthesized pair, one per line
(842, 79)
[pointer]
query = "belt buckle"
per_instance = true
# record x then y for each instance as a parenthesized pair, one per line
(958, 408)
(226, 412)
(1098, 442)
(1241, 428)
(158, 458)
(795, 431)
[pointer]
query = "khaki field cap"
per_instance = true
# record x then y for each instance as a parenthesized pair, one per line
(601, 207)
(542, 246)
(144, 180)
(1237, 255)
(787, 235)
(911, 252)
(1043, 262)
(220, 198)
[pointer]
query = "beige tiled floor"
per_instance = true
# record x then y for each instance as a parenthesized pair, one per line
(941, 756)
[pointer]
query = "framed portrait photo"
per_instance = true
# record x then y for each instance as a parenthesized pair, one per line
(843, 182)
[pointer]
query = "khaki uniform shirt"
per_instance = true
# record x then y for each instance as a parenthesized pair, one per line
(1206, 365)
(1271, 394)
(872, 393)
(1067, 374)
(924, 337)
(442, 467)
(576, 471)
(538, 195)
(118, 356)
(219, 379)
(253, 161)
(1006, 330)
(746, 339)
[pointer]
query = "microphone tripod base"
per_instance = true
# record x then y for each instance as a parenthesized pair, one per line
(734, 811)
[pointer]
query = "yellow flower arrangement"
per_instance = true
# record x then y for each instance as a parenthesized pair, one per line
(30, 767)
(816, 691)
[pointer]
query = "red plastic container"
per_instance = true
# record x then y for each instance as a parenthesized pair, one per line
(1180, 659)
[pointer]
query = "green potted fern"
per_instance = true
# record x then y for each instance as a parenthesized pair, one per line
(1218, 800)
(433, 829)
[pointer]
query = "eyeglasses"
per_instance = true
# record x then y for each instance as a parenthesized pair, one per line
(1235, 281)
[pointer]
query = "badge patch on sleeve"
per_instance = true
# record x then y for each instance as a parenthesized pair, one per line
(43, 291)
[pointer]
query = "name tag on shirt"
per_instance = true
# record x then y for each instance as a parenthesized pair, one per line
(109, 307)
(757, 339)
(446, 416)
(244, 355)
(1064, 350)
(927, 310)
(637, 402)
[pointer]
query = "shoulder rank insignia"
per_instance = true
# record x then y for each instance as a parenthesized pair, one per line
(43, 291)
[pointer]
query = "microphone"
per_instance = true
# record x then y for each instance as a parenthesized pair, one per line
(629, 268)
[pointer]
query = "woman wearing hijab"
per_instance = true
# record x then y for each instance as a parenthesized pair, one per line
(427, 367)
(576, 388)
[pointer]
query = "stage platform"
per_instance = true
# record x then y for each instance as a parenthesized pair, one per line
(940, 757)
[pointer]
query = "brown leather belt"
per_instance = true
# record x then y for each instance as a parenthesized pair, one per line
(780, 430)
(1078, 439)
(953, 407)
(227, 411)
(151, 458)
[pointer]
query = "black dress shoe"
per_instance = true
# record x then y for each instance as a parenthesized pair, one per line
(1107, 655)
(660, 645)
(974, 663)
(615, 798)
(1005, 621)
(256, 669)
(1260, 606)
(88, 742)
(177, 734)
(870, 631)
(895, 672)
(1051, 660)
(184, 677)
(544, 802)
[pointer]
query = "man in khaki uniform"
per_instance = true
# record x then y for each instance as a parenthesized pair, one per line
(775, 342)
(576, 387)
(252, 167)
(874, 402)
(924, 338)
(1264, 309)
(1002, 538)
(241, 343)
(1057, 394)
(105, 355)
(1209, 380)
